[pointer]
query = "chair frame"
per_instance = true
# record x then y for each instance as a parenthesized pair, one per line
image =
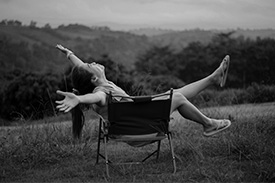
(104, 133)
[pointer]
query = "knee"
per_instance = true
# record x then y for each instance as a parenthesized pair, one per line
(179, 99)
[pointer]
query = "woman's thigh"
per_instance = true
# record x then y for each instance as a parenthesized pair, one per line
(177, 100)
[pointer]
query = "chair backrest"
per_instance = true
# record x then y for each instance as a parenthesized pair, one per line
(139, 115)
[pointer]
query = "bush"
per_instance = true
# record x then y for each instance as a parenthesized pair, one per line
(261, 93)
(253, 94)
(30, 95)
(205, 98)
(242, 96)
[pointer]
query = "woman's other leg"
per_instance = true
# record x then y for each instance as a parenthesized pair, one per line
(216, 77)
(189, 111)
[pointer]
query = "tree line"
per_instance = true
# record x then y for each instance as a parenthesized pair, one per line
(252, 61)
(31, 95)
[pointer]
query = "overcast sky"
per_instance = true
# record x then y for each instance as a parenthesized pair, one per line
(169, 14)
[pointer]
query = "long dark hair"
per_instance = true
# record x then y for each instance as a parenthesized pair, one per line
(81, 81)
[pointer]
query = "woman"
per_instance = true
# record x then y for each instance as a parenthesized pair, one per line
(99, 87)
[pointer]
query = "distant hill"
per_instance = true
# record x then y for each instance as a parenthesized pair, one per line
(151, 31)
(121, 46)
(86, 42)
(180, 39)
(249, 33)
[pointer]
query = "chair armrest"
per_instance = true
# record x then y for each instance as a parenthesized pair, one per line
(142, 98)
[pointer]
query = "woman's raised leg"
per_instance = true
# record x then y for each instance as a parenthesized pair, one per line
(218, 77)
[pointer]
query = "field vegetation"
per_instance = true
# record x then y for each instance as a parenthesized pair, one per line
(46, 152)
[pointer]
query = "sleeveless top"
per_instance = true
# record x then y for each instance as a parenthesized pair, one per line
(110, 87)
(107, 88)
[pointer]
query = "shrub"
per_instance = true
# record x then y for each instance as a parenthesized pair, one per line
(261, 93)
(30, 95)
(253, 94)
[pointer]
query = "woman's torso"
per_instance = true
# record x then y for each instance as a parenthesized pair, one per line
(108, 88)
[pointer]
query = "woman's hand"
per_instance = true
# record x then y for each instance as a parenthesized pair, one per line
(61, 48)
(69, 102)
(64, 50)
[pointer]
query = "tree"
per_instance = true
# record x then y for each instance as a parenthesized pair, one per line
(32, 24)
(11, 22)
(195, 62)
(158, 61)
(47, 26)
(148, 84)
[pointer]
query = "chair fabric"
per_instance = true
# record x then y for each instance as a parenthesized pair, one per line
(137, 121)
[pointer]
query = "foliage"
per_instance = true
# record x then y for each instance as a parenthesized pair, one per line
(30, 96)
(26, 57)
(148, 85)
(6, 22)
(256, 93)
(261, 93)
(157, 61)
(251, 60)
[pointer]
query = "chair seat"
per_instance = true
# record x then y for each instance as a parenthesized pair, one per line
(138, 140)
(128, 139)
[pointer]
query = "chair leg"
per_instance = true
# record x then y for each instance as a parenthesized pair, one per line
(106, 156)
(98, 142)
(172, 152)
(157, 157)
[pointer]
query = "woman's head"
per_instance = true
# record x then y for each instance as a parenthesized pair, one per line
(97, 71)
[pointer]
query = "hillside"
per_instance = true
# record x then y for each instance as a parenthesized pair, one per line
(35, 46)
(180, 39)
(32, 48)
(122, 47)
(249, 33)
(151, 31)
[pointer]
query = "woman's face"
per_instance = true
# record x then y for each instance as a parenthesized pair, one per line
(96, 69)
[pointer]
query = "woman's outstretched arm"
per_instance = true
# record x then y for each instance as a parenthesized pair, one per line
(71, 56)
(71, 100)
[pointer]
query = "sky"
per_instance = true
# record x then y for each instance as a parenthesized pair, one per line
(133, 14)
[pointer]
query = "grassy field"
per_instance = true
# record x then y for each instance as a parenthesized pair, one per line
(244, 153)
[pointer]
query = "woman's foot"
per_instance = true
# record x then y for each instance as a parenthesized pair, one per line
(216, 126)
(219, 76)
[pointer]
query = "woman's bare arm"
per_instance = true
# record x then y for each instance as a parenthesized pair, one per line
(71, 56)
(71, 100)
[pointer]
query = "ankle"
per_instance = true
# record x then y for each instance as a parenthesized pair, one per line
(214, 78)
(208, 123)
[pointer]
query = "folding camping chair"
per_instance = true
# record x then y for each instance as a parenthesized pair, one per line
(132, 119)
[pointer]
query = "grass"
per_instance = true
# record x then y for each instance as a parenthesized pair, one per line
(243, 153)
